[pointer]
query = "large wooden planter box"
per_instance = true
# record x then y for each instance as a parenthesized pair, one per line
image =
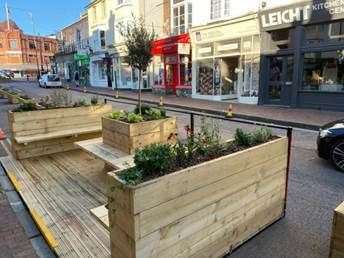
(41, 132)
(337, 237)
(129, 137)
(203, 211)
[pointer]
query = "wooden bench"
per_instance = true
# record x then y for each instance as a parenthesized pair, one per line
(42, 132)
(111, 156)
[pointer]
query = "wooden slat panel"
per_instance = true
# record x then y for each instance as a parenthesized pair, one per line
(177, 184)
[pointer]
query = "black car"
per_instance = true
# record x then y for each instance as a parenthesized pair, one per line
(331, 143)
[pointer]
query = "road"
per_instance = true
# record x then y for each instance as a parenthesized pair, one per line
(315, 189)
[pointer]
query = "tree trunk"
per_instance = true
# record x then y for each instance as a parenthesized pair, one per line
(140, 78)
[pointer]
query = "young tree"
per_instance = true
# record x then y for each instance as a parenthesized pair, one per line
(138, 41)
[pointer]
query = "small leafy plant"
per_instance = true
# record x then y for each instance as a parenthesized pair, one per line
(148, 114)
(26, 106)
(160, 159)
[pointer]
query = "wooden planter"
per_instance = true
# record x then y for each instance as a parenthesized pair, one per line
(202, 211)
(13, 99)
(41, 132)
(129, 137)
(337, 237)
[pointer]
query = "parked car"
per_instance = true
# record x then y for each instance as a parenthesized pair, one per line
(5, 75)
(49, 80)
(331, 143)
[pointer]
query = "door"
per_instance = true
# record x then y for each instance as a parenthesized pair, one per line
(280, 80)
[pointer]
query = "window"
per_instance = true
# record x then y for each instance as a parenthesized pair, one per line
(13, 44)
(32, 45)
(215, 9)
(78, 35)
(103, 9)
(227, 8)
(94, 14)
(324, 33)
(46, 46)
(119, 2)
(181, 16)
(1, 45)
(189, 15)
(324, 71)
(102, 39)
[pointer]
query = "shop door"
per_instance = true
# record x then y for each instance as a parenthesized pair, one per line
(280, 80)
(171, 76)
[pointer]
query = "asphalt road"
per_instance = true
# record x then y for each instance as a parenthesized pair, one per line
(315, 189)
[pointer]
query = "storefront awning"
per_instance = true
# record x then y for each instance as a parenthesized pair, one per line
(173, 45)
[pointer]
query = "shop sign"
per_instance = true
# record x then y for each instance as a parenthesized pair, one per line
(302, 13)
(184, 48)
(227, 47)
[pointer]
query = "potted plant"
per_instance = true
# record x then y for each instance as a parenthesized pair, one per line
(199, 198)
(128, 131)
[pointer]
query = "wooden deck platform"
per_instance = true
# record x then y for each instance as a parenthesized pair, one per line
(60, 190)
(111, 156)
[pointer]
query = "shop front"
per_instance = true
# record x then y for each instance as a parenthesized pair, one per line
(172, 65)
(302, 61)
(226, 60)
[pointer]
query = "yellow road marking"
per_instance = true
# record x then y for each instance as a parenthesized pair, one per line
(47, 234)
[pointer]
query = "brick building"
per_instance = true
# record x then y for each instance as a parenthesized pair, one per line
(19, 54)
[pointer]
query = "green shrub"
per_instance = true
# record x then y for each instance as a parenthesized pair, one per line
(133, 118)
(154, 159)
(26, 106)
(242, 138)
(94, 101)
(144, 109)
(151, 113)
(131, 176)
(261, 135)
(81, 103)
(116, 115)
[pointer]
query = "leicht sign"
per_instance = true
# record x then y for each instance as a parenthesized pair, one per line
(302, 13)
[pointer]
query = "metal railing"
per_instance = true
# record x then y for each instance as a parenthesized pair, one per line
(192, 114)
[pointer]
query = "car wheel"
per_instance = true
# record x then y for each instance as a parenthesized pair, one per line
(45, 85)
(337, 155)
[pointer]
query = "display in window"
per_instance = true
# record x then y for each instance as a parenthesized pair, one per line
(206, 75)
(323, 71)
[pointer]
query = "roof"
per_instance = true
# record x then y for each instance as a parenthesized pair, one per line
(13, 25)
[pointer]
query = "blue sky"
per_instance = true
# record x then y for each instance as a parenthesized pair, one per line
(49, 15)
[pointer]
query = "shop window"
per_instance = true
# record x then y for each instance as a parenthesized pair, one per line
(324, 33)
(205, 82)
(185, 71)
(281, 38)
(324, 71)
(125, 75)
(158, 71)
(228, 75)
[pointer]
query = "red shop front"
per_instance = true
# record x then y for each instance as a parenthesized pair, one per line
(172, 65)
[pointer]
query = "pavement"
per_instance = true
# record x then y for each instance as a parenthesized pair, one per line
(295, 117)
(315, 190)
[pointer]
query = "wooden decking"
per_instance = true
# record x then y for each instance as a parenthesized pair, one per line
(62, 189)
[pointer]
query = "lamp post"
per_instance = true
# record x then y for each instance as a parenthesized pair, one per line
(35, 42)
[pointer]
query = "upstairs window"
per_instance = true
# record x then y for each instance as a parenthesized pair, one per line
(46, 46)
(215, 9)
(181, 16)
(119, 2)
(227, 8)
(32, 45)
(13, 44)
(102, 39)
